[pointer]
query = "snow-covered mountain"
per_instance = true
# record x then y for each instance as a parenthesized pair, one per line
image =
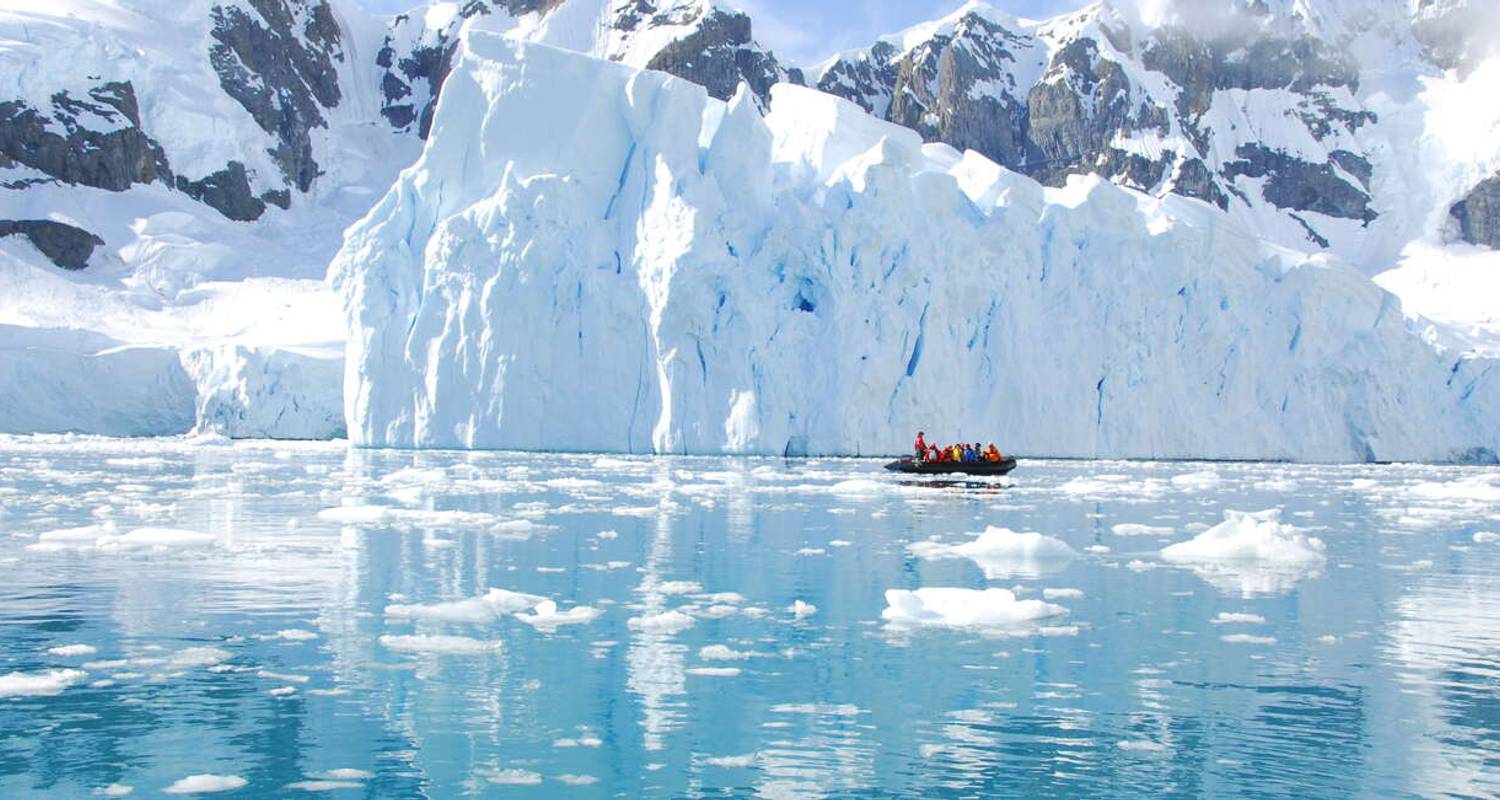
(175, 178)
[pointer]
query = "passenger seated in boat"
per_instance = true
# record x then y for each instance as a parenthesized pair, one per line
(992, 453)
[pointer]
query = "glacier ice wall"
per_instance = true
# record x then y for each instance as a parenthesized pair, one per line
(588, 256)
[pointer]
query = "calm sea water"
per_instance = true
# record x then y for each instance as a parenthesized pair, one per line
(281, 642)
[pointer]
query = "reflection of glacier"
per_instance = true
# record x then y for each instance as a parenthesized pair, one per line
(656, 662)
(590, 257)
(1448, 638)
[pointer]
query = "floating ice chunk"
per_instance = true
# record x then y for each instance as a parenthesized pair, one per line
(113, 790)
(1228, 618)
(190, 657)
(578, 780)
(675, 587)
(284, 691)
(49, 683)
(1197, 481)
(607, 535)
(1062, 594)
(1258, 538)
(486, 608)
(667, 622)
(1098, 548)
(69, 650)
(514, 777)
(159, 539)
(1280, 485)
(356, 515)
(206, 784)
(1001, 552)
(293, 635)
(440, 645)
(719, 652)
(802, 609)
(964, 608)
(812, 551)
(1246, 638)
(840, 543)
(818, 709)
(1137, 529)
(860, 487)
(715, 672)
(545, 616)
(1483, 537)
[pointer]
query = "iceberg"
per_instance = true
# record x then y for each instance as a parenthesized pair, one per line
(587, 256)
(1251, 553)
(985, 609)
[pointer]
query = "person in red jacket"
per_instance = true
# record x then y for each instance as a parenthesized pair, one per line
(920, 446)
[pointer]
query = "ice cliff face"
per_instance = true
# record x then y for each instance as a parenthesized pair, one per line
(588, 256)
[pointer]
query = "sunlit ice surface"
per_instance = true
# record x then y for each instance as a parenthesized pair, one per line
(269, 619)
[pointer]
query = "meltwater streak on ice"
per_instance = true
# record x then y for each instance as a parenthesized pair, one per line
(295, 648)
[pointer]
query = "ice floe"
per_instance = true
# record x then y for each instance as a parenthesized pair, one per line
(546, 616)
(514, 777)
(1247, 638)
(206, 784)
(490, 607)
(1253, 553)
(666, 622)
(1001, 552)
(1137, 529)
(1229, 618)
(801, 609)
(113, 790)
(69, 650)
(965, 608)
(47, 683)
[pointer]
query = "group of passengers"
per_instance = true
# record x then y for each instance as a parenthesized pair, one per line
(960, 453)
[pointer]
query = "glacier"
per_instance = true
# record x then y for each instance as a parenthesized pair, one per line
(587, 256)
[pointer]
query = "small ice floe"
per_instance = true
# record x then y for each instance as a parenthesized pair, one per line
(47, 683)
(1141, 745)
(607, 535)
(1062, 594)
(1229, 618)
(1137, 529)
(206, 784)
(1098, 549)
(70, 650)
(578, 780)
(818, 709)
(113, 790)
(1484, 537)
(666, 622)
(1251, 553)
(107, 538)
(840, 543)
(1247, 638)
(719, 652)
(291, 635)
(987, 609)
(1001, 552)
(439, 645)
(1197, 481)
(802, 609)
(546, 617)
(490, 607)
(812, 551)
(585, 738)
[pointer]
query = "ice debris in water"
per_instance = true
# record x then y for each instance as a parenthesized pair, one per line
(113, 790)
(489, 607)
(1137, 529)
(719, 652)
(1246, 638)
(545, 616)
(106, 537)
(802, 609)
(439, 645)
(1002, 552)
(1228, 618)
(666, 622)
(514, 777)
(206, 784)
(1482, 537)
(1062, 594)
(964, 608)
(1249, 537)
(39, 684)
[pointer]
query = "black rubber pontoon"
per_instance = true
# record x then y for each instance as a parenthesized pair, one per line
(911, 466)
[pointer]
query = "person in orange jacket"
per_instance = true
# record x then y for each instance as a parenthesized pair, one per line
(992, 453)
(920, 446)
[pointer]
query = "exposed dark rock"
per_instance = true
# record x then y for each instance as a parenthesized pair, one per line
(719, 55)
(1478, 214)
(75, 149)
(281, 69)
(64, 245)
(1300, 185)
(227, 191)
(1195, 179)
(281, 198)
(1078, 108)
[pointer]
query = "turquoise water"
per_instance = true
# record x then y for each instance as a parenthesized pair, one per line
(264, 650)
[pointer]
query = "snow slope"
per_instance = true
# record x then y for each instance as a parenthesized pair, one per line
(587, 256)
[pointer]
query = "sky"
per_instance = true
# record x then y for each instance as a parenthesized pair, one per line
(805, 31)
